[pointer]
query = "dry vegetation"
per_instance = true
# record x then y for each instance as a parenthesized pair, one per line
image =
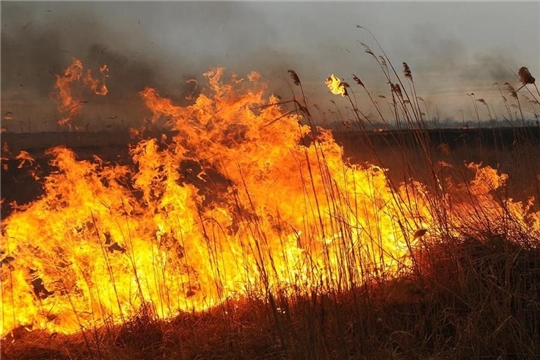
(475, 294)
(470, 298)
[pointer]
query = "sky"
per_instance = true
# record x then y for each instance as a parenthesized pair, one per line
(453, 48)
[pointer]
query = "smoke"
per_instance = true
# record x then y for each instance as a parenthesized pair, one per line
(142, 47)
(30, 59)
(449, 55)
(164, 44)
(39, 41)
(445, 70)
(495, 64)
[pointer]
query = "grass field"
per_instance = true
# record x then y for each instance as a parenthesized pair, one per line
(244, 231)
(465, 297)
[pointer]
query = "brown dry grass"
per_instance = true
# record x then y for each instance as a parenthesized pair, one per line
(472, 299)
(472, 296)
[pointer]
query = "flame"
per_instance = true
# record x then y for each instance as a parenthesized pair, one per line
(25, 157)
(336, 86)
(73, 74)
(230, 206)
(3, 158)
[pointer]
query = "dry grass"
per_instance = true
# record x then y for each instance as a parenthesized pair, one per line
(472, 296)
(472, 299)
(476, 295)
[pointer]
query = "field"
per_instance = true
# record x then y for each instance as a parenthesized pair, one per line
(471, 296)
(504, 148)
(245, 231)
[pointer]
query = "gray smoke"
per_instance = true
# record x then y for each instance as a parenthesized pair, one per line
(164, 44)
(496, 64)
(140, 47)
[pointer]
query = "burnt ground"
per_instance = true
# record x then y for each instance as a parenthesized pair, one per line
(406, 154)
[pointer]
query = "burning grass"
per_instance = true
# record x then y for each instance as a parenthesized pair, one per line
(245, 233)
(470, 298)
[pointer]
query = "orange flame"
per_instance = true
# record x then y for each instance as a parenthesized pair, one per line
(70, 102)
(25, 157)
(228, 207)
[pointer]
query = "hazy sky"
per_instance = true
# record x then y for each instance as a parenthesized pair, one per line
(453, 48)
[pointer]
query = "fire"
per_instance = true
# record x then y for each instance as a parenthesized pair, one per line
(232, 205)
(69, 101)
(25, 157)
(336, 86)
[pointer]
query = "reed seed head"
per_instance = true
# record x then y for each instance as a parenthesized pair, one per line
(383, 61)
(294, 77)
(397, 89)
(367, 49)
(511, 89)
(525, 76)
(407, 71)
(358, 81)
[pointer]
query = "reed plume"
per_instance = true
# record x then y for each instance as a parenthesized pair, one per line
(358, 81)
(367, 49)
(513, 93)
(294, 77)
(414, 101)
(397, 89)
(383, 61)
(511, 90)
(473, 100)
(525, 76)
(407, 71)
(487, 107)
(384, 65)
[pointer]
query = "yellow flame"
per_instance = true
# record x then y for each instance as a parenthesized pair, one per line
(230, 206)
(336, 86)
